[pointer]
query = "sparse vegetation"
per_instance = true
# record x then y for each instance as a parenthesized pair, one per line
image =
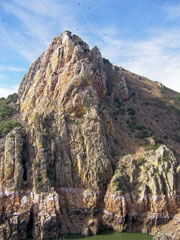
(177, 138)
(37, 164)
(121, 184)
(122, 111)
(119, 103)
(5, 110)
(155, 146)
(166, 159)
(143, 134)
(170, 95)
(7, 126)
(131, 111)
(39, 185)
(140, 127)
(140, 161)
(157, 139)
(133, 94)
(12, 98)
(73, 122)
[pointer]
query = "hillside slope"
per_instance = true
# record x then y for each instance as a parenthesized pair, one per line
(98, 148)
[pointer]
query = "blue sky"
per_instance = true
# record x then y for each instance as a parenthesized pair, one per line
(142, 36)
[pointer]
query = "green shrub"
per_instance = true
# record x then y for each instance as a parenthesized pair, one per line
(132, 125)
(122, 111)
(177, 138)
(165, 159)
(131, 111)
(140, 161)
(157, 139)
(108, 93)
(178, 100)
(116, 113)
(116, 184)
(147, 168)
(117, 100)
(133, 94)
(140, 127)
(7, 126)
(5, 110)
(51, 176)
(37, 164)
(143, 134)
(155, 146)
(39, 185)
(12, 98)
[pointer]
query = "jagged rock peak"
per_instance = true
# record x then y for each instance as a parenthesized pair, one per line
(63, 75)
(66, 37)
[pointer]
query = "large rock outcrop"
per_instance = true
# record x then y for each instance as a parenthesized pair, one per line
(73, 167)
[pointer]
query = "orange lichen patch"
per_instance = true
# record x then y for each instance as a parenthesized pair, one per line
(39, 144)
(69, 108)
(155, 164)
(26, 91)
(36, 77)
(32, 118)
(54, 61)
(77, 145)
(64, 78)
(68, 58)
(44, 174)
(141, 167)
(39, 93)
(79, 110)
(109, 127)
(62, 63)
(83, 82)
(9, 173)
(56, 93)
(79, 169)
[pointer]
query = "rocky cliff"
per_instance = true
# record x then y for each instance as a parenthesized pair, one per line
(98, 148)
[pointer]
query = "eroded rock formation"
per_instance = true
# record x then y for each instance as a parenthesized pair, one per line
(73, 167)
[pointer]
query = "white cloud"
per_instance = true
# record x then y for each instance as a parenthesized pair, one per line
(50, 8)
(39, 22)
(172, 11)
(11, 68)
(157, 57)
(4, 92)
(20, 43)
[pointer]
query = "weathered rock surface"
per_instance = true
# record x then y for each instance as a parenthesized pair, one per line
(161, 236)
(74, 167)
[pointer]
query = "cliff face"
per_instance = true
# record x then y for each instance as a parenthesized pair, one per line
(88, 156)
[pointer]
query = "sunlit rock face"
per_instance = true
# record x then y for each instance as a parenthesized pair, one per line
(66, 171)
